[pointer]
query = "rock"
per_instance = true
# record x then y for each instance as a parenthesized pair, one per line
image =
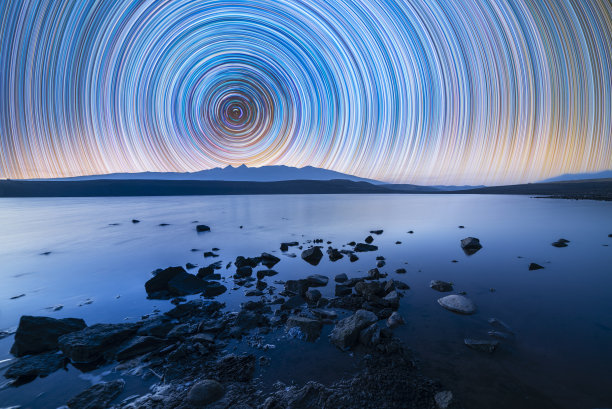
(499, 324)
(370, 336)
(561, 243)
(247, 261)
(190, 266)
(470, 245)
(400, 285)
(369, 289)
(208, 254)
(392, 299)
(377, 232)
(381, 264)
(98, 396)
(395, 320)
(253, 293)
(156, 327)
(441, 286)
(200, 228)
(186, 284)
(285, 246)
(28, 368)
(369, 239)
(443, 399)
(363, 247)
(325, 314)
(317, 280)
(342, 290)
(312, 296)
(159, 283)
(205, 392)
(40, 334)
(139, 346)
(483, 345)
(375, 274)
(346, 332)
(401, 271)
(261, 285)
(92, 343)
(266, 273)
(334, 254)
(251, 319)
(353, 258)
(297, 286)
(311, 328)
(244, 271)
(293, 302)
(213, 289)
(135, 221)
(341, 278)
(312, 255)
(534, 266)
(458, 303)
(269, 260)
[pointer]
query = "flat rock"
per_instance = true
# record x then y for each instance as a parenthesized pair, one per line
(30, 367)
(483, 345)
(317, 280)
(293, 302)
(341, 278)
(458, 303)
(363, 247)
(139, 346)
(312, 255)
(310, 327)
(92, 343)
(441, 286)
(205, 392)
(40, 334)
(98, 396)
(346, 332)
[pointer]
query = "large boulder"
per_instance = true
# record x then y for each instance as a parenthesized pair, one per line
(98, 396)
(312, 255)
(458, 303)
(40, 334)
(346, 332)
(93, 343)
(470, 245)
(205, 392)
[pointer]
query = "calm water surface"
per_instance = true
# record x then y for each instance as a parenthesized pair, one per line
(562, 315)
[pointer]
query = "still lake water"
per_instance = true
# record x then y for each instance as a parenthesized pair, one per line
(562, 314)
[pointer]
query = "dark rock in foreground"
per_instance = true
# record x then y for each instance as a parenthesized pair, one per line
(312, 255)
(40, 334)
(174, 281)
(93, 343)
(98, 396)
(369, 239)
(470, 245)
(269, 260)
(28, 368)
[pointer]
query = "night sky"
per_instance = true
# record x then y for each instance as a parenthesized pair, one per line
(416, 91)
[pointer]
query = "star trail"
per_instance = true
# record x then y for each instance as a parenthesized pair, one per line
(415, 91)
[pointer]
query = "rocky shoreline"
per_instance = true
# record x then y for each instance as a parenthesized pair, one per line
(188, 348)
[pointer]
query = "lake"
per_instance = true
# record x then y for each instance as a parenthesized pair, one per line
(562, 315)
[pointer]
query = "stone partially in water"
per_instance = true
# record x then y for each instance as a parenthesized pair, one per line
(395, 320)
(98, 396)
(483, 345)
(92, 343)
(363, 247)
(311, 328)
(205, 392)
(28, 368)
(470, 245)
(346, 332)
(341, 278)
(200, 228)
(312, 255)
(458, 303)
(40, 334)
(561, 243)
(317, 280)
(534, 266)
(441, 286)
(269, 260)
(443, 399)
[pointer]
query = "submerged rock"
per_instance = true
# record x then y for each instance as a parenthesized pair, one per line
(40, 334)
(483, 345)
(458, 303)
(499, 324)
(346, 332)
(205, 392)
(312, 255)
(441, 286)
(534, 266)
(98, 396)
(92, 343)
(310, 327)
(363, 247)
(400, 271)
(470, 245)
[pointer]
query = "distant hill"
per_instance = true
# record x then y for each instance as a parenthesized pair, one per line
(241, 173)
(606, 174)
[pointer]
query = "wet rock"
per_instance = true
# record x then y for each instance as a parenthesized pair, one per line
(261, 285)
(186, 284)
(312, 296)
(200, 228)
(190, 266)
(311, 328)
(182, 281)
(285, 246)
(312, 255)
(92, 343)
(381, 264)
(341, 278)
(269, 260)
(443, 399)
(483, 345)
(156, 327)
(253, 293)
(98, 396)
(135, 221)
(213, 289)
(247, 261)
(470, 245)
(28, 368)
(317, 280)
(561, 243)
(401, 271)
(251, 319)
(346, 332)
(375, 274)
(370, 289)
(342, 290)
(441, 286)
(297, 286)
(395, 320)
(293, 302)
(266, 273)
(363, 247)
(139, 346)
(40, 334)
(353, 258)
(370, 336)
(208, 254)
(500, 325)
(325, 314)
(400, 285)
(499, 335)
(392, 300)
(244, 271)
(369, 239)
(377, 232)
(235, 368)
(534, 266)
(205, 392)
(334, 254)
(458, 303)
